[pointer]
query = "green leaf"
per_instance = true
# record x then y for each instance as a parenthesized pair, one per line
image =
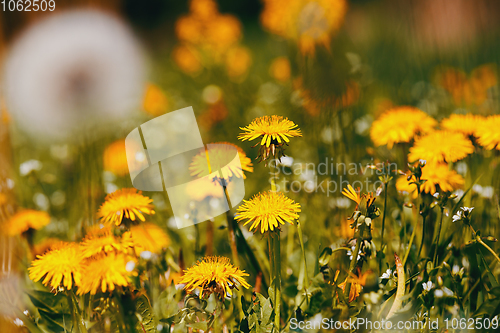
(324, 257)
(200, 325)
(146, 319)
(49, 302)
(266, 311)
(55, 322)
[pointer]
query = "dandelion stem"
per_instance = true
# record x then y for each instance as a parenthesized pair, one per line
(423, 234)
(354, 261)
(306, 278)
(480, 241)
(437, 237)
(277, 281)
(76, 313)
(232, 238)
(414, 232)
(383, 225)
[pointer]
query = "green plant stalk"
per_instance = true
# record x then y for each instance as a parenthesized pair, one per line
(302, 247)
(422, 240)
(434, 261)
(232, 235)
(400, 292)
(480, 241)
(120, 318)
(277, 280)
(354, 261)
(76, 313)
(383, 226)
(412, 237)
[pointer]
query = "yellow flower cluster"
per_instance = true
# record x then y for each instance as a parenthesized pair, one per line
(208, 37)
(25, 220)
(213, 275)
(441, 146)
(106, 257)
(468, 90)
(400, 124)
(438, 174)
(307, 22)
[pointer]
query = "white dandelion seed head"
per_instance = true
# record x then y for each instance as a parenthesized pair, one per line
(72, 72)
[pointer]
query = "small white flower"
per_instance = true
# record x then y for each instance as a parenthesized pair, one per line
(457, 216)
(435, 195)
(29, 166)
(459, 194)
(455, 269)
(146, 255)
(350, 252)
(18, 322)
(387, 274)
(286, 161)
(443, 292)
(468, 209)
(488, 192)
(428, 285)
(130, 266)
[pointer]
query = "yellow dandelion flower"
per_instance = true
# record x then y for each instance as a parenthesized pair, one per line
(270, 129)
(273, 132)
(148, 237)
(25, 220)
(468, 90)
(238, 60)
(106, 272)
(218, 156)
(205, 9)
(441, 146)
(269, 209)
(61, 266)
(400, 124)
(221, 33)
(309, 23)
(466, 124)
(352, 194)
(102, 241)
(214, 275)
(202, 190)
(155, 101)
(280, 69)
(115, 158)
(488, 133)
(189, 29)
(188, 59)
(45, 246)
(208, 30)
(435, 175)
(125, 203)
